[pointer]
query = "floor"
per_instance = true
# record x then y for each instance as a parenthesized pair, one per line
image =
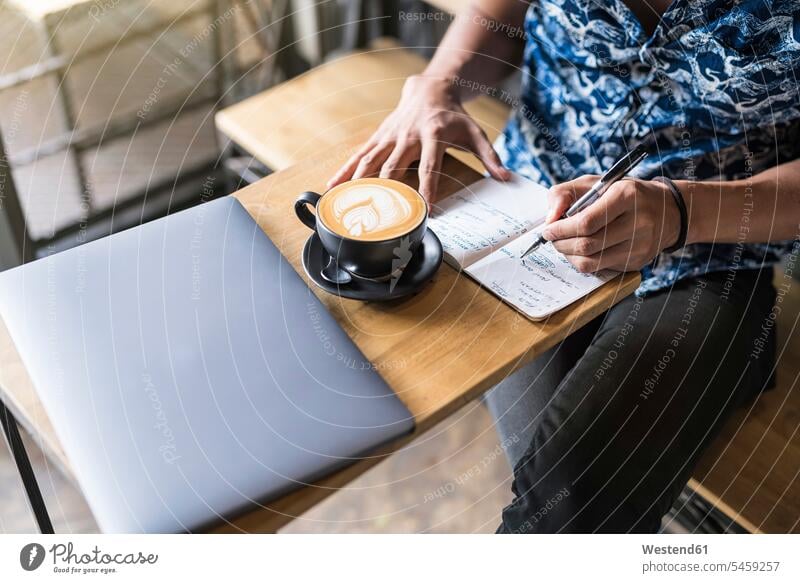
(453, 479)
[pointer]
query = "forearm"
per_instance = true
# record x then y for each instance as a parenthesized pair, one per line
(482, 46)
(760, 209)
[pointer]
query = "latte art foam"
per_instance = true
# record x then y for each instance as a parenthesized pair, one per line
(371, 209)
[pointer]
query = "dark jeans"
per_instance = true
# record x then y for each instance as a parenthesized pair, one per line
(604, 429)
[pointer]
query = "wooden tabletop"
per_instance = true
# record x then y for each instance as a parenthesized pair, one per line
(312, 113)
(438, 349)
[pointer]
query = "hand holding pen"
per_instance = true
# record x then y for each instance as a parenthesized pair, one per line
(615, 173)
(624, 229)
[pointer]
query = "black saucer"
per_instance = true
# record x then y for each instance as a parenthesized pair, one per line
(418, 272)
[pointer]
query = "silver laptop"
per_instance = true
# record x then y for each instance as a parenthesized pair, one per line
(190, 373)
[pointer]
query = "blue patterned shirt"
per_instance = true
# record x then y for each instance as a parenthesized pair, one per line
(715, 87)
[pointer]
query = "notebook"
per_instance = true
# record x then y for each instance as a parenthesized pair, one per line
(485, 227)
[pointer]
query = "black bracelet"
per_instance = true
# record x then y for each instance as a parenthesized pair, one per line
(676, 194)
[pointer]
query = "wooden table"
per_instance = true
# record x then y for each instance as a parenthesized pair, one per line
(447, 344)
(314, 112)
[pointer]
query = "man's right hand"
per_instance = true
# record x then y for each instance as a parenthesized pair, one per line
(428, 120)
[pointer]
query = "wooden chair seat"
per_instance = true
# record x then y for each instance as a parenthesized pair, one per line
(751, 471)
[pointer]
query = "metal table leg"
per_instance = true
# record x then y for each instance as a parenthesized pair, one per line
(35, 499)
(12, 219)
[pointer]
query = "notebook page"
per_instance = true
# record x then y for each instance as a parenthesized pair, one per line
(542, 283)
(486, 215)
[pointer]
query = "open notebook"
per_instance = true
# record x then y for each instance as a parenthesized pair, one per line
(485, 227)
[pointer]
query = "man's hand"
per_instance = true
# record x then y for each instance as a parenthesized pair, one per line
(624, 230)
(428, 120)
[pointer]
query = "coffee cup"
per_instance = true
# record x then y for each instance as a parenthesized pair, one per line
(370, 226)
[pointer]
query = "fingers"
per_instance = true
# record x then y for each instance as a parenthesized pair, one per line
(430, 166)
(591, 219)
(618, 258)
(482, 148)
(372, 161)
(392, 158)
(400, 160)
(346, 172)
(561, 196)
(619, 230)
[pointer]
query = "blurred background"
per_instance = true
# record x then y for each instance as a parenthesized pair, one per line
(107, 106)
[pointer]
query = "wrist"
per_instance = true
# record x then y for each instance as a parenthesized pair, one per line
(440, 86)
(700, 224)
(676, 219)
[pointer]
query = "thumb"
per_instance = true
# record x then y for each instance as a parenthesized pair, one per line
(561, 196)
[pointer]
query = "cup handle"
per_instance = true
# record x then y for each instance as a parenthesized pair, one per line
(301, 209)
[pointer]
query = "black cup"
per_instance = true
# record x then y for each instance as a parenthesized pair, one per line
(370, 259)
